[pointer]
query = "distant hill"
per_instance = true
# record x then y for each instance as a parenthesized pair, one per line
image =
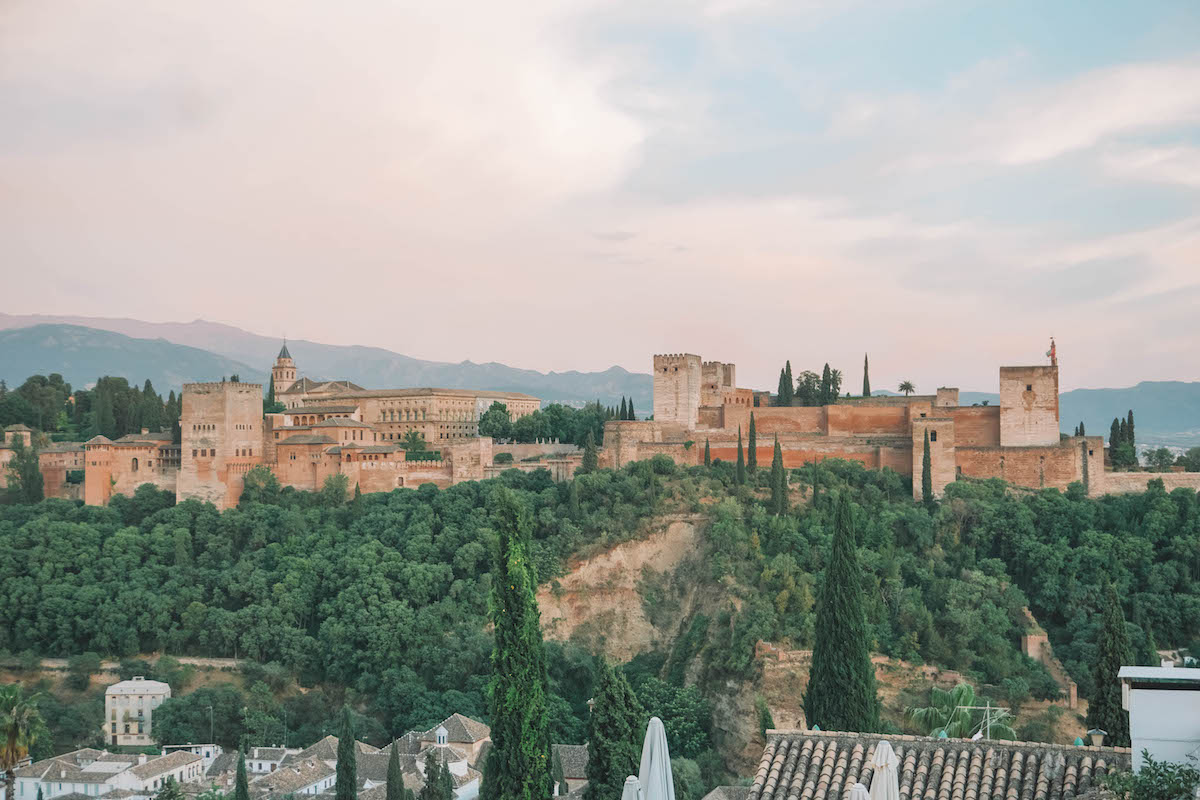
(368, 366)
(81, 355)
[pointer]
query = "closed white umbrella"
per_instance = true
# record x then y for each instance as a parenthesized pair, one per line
(632, 790)
(655, 773)
(859, 792)
(885, 779)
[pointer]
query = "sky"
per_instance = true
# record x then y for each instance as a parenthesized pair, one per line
(572, 184)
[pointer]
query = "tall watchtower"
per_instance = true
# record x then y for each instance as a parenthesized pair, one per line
(1029, 406)
(283, 374)
(222, 429)
(677, 382)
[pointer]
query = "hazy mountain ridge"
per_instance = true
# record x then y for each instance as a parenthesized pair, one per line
(372, 367)
(81, 355)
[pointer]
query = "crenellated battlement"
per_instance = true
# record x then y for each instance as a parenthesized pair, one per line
(217, 386)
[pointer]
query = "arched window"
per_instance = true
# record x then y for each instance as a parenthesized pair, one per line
(133, 465)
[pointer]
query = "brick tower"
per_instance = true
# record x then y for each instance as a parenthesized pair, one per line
(283, 374)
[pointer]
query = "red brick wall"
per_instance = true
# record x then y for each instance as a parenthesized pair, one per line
(976, 426)
(866, 420)
(774, 419)
(1033, 467)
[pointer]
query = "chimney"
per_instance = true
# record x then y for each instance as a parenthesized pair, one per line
(141, 758)
(145, 431)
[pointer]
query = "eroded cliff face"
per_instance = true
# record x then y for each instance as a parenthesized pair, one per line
(600, 602)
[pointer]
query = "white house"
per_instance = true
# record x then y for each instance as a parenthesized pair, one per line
(129, 710)
(1164, 712)
(95, 773)
(208, 752)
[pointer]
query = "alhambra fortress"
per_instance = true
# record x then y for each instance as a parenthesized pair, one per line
(339, 428)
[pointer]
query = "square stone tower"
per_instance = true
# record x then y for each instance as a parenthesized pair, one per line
(222, 438)
(677, 382)
(1029, 406)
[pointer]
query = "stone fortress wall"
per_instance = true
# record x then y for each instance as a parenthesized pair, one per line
(1017, 440)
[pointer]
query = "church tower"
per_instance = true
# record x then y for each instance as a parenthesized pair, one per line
(283, 374)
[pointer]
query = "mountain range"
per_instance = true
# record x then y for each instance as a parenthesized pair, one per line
(82, 349)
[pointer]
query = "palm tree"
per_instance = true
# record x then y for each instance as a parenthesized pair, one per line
(21, 725)
(951, 712)
(907, 387)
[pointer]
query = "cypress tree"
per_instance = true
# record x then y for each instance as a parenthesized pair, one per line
(560, 782)
(841, 687)
(781, 392)
(926, 475)
(615, 730)
(791, 382)
(573, 500)
(241, 786)
(707, 454)
(624, 409)
(632, 415)
(346, 785)
(752, 452)
(518, 765)
(438, 783)
(105, 423)
(395, 777)
(740, 476)
(866, 377)
(590, 459)
(1131, 440)
(1082, 429)
(826, 385)
(1114, 437)
(1113, 652)
(778, 481)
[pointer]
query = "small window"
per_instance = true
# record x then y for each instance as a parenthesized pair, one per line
(933, 436)
(1029, 387)
(1090, 453)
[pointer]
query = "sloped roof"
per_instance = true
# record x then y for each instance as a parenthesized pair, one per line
(157, 766)
(408, 744)
(294, 776)
(819, 765)
(283, 352)
(99, 439)
(728, 793)
(139, 686)
(74, 760)
(226, 762)
(18, 428)
(309, 386)
(340, 422)
(573, 757)
(63, 447)
(305, 438)
(459, 729)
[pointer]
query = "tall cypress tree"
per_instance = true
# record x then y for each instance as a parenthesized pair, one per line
(624, 409)
(1131, 439)
(1082, 429)
(841, 686)
(790, 381)
(707, 454)
(781, 392)
(615, 729)
(590, 458)
(778, 481)
(346, 786)
(1114, 437)
(395, 776)
(632, 414)
(752, 452)
(740, 475)
(1113, 652)
(927, 475)
(241, 787)
(866, 377)
(518, 765)
(826, 385)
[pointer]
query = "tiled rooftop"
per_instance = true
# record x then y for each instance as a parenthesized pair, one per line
(818, 765)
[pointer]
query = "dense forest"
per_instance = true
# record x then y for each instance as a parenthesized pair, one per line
(111, 408)
(381, 600)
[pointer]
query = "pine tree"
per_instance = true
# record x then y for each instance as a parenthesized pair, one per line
(790, 381)
(615, 729)
(841, 686)
(740, 475)
(778, 481)
(518, 764)
(927, 475)
(590, 458)
(707, 454)
(632, 414)
(395, 776)
(752, 452)
(866, 377)
(346, 785)
(1113, 652)
(624, 409)
(241, 787)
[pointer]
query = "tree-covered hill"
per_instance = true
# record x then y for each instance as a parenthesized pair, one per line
(383, 599)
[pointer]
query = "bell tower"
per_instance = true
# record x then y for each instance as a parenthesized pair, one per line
(283, 374)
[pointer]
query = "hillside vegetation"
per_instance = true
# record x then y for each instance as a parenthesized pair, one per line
(382, 600)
